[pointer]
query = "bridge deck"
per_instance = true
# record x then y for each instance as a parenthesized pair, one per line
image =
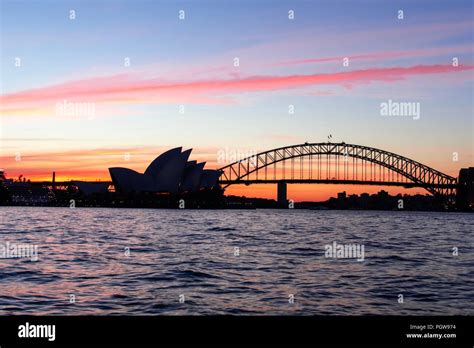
(288, 181)
(333, 181)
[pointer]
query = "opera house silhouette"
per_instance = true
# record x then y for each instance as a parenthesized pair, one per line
(170, 172)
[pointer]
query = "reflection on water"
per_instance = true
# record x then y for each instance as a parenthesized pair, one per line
(84, 252)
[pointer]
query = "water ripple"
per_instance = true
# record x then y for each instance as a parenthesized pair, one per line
(141, 261)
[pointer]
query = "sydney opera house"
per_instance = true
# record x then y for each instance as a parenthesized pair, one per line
(171, 172)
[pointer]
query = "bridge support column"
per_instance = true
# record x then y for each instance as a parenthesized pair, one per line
(281, 194)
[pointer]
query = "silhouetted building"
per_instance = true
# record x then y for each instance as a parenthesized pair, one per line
(90, 188)
(465, 193)
(341, 196)
(171, 172)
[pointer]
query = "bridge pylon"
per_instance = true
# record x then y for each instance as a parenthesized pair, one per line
(282, 194)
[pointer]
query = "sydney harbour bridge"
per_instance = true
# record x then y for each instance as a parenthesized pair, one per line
(341, 163)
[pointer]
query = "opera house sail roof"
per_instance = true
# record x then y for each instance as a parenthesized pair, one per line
(170, 172)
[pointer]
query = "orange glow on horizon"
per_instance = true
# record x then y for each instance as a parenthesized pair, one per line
(296, 192)
(314, 192)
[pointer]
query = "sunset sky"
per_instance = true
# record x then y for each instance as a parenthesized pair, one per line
(156, 81)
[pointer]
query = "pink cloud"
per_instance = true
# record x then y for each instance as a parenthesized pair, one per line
(385, 38)
(130, 88)
(425, 52)
(321, 93)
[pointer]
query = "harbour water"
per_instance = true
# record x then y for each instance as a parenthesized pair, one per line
(273, 262)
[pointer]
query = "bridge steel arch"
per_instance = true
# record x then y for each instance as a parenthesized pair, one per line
(416, 173)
